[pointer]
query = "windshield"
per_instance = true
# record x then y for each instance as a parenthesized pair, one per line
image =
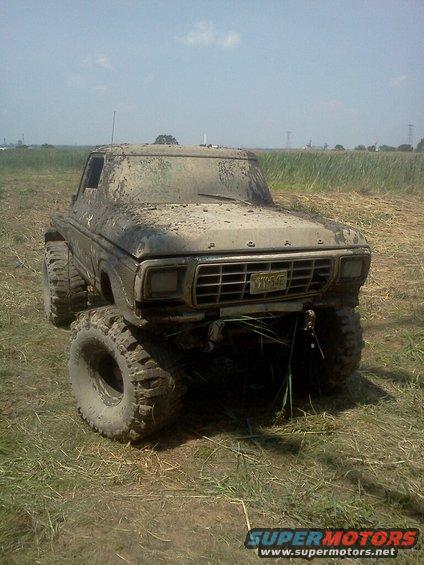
(152, 180)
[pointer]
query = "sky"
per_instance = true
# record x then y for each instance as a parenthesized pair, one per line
(243, 72)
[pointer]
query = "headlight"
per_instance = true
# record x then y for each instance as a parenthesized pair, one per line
(351, 268)
(163, 283)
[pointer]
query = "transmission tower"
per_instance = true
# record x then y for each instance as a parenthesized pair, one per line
(288, 144)
(410, 140)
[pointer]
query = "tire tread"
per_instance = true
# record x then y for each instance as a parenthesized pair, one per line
(68, 290)
(157, 390)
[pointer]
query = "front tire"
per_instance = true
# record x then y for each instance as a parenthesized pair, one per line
(64, 290)
(127, 385)
(339, 334)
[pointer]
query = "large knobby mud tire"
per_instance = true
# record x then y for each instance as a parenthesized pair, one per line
(339, 334)
(64, 290)
(127, 383)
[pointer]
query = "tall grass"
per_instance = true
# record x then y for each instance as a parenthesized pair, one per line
(298, 170)
(15, 160)
(347, 170)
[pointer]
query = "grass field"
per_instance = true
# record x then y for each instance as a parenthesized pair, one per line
(18, 160)
(345, 171)
(298, 170)
(351, 460)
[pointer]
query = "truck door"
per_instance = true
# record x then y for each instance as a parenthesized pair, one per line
(85, 213)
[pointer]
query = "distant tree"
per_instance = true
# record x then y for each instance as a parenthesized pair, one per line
(21, 146)
(339, 147)
(166, 139)
(405, 147)
(420, 146)
(47, 146)
(372, 148)
(386, 148)
(360, 148)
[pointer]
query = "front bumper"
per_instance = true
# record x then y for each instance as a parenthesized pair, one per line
(186, 307)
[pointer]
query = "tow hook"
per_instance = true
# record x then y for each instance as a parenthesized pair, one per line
(309, 319)
(214, 335)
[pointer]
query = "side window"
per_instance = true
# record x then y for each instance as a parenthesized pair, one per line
(95, 167)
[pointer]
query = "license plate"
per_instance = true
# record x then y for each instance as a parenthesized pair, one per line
(268, 282)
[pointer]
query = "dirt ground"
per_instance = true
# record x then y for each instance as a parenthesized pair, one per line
(355, 459)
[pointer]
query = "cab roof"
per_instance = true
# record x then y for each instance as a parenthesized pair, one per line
(153, 150)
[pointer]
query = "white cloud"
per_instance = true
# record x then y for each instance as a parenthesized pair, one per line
(231, 39)
(103, 61)
(98, 61)
(100, 87)
(204, 33)
(397, 81)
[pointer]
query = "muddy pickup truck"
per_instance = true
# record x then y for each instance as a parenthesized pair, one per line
(191, 256)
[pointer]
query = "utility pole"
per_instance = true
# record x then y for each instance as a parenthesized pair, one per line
(288, 145)
(23, 139)
(410, 140)
(113, 127)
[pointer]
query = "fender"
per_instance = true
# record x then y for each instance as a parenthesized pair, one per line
(121, 276)
(52, 234)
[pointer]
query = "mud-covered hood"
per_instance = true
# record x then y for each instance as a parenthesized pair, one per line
(185, 229)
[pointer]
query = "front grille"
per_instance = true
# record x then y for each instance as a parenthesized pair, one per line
(221, 283)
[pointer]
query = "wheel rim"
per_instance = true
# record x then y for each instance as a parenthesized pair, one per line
(110, 376)
(105, 375)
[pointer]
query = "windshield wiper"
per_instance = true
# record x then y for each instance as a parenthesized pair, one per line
(224, 197)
